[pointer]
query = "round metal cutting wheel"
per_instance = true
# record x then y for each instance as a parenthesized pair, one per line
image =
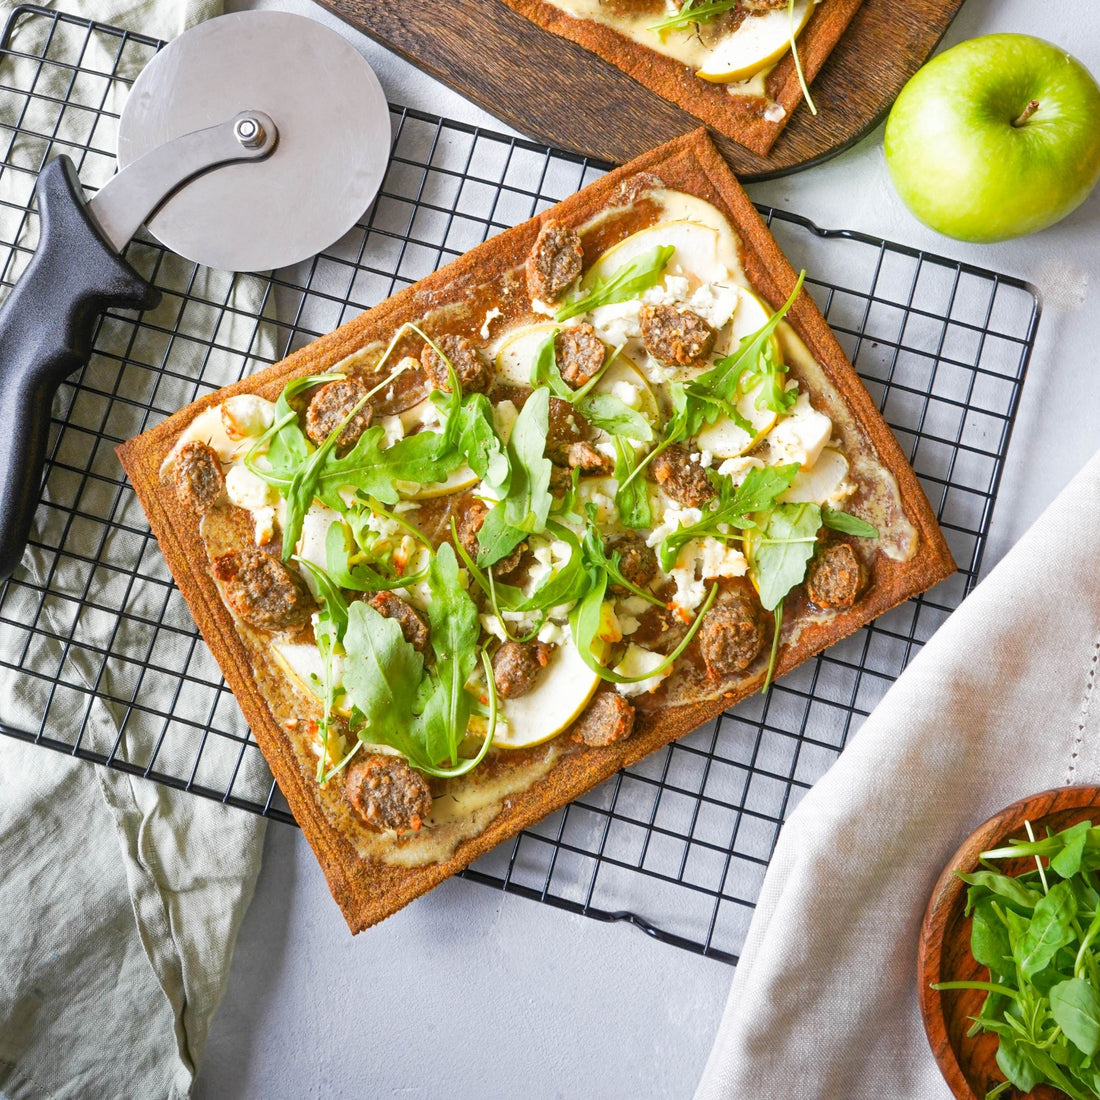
(333, 138)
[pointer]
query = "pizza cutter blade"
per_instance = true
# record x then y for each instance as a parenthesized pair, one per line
(251, 142)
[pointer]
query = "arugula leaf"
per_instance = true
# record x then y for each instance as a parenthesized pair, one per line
(780, 557)
(382, 673)
(528, 501)
(360, 577)
(372, 469)
(1005, 886)
(1075, 1006)
(691, 13)
(545, 372)
(630, 281)
(632, 495)
(847, 524)
(527, 505)
(989, 936)
(606, 411)
(477, 441)
(754, 365)
(1049, 930)
(455, 627)
(757, 493)
(1016, 1065)
(329, 626)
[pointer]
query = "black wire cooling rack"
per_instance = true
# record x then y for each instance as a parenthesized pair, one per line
(99, 657)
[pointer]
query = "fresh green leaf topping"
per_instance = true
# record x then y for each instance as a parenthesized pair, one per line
(784, 549)
(732, 508)
(630, 281)
(847, 524)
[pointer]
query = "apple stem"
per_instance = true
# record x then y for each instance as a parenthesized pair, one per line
(1027, 112)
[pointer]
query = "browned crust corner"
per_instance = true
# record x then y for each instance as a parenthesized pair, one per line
(739, 118)
(367, 892)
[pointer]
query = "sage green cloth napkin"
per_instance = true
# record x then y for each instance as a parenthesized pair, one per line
(120, 900)
(1000, 704)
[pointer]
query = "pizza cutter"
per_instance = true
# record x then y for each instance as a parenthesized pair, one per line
(251, 142)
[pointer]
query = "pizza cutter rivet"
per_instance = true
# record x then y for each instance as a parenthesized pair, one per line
(250, 133)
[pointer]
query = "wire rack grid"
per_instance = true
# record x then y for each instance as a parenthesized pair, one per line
(99, 657)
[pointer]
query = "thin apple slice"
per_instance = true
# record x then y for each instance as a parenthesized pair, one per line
(515, 352)
(761, 40)
(699, 252)
(302, 662)
(462, 478)
(821, 483)
(562, 691)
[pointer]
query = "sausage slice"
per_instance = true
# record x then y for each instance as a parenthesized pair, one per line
(198, 475)
(732, 635)
(607, 718)
(387, 794)
(263, 591)
(553, 262)
(836, 576)
(683, 480)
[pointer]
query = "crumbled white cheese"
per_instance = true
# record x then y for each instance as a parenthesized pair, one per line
(719, 559)
(775, 112)
(554, 633)
(263, 520)
(636, 662)
(490, 316)
(618, 323)
(673, 519)
(539, 306)
(246, 415)
(504, 419)
(737, 469)
(799, 436)
(628, 623)
(629, 394)
(246, 490)
(492, 625)
(590, 490)
(392, 430)
(690, 589)
(634, 605)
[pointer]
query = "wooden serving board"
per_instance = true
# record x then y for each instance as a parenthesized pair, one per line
(560, 93)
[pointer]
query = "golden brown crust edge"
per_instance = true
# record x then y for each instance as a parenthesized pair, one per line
(739, 118)
(367, 893)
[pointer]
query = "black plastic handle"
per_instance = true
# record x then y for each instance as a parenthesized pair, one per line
(46, 328)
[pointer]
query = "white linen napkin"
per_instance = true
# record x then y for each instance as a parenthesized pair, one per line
(120, 900)
(999, 705)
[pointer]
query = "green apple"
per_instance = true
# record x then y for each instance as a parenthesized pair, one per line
(995, 138)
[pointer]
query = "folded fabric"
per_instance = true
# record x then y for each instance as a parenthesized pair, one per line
(1000, 704)
(119, 900)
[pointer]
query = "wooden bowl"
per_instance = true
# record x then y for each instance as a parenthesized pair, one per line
(969, 1064)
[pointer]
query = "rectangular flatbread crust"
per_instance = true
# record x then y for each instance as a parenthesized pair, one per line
(368, 889)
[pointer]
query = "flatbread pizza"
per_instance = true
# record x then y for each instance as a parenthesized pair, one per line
(532, 518)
